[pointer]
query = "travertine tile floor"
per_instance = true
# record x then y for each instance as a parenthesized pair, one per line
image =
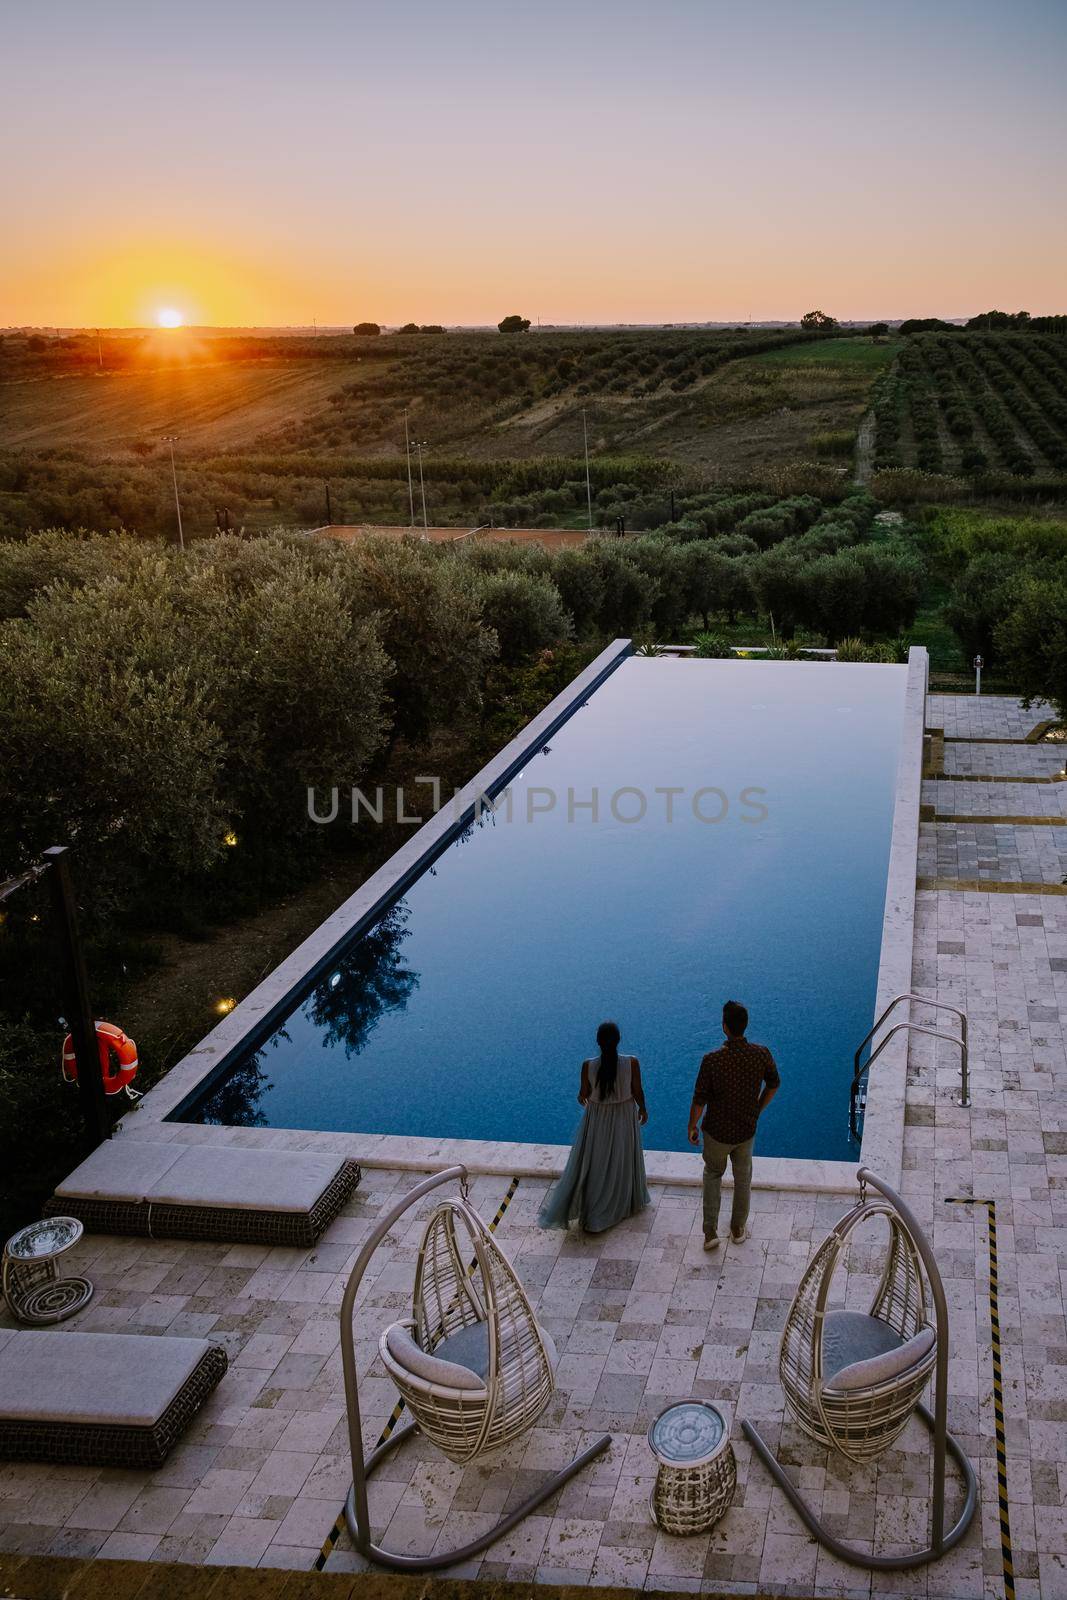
(642, 1317)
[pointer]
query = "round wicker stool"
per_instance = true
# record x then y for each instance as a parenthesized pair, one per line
(33, 1286)
(697, 1472)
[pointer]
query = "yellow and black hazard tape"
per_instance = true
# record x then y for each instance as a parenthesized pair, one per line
(1007, 1559)
(398, 1410)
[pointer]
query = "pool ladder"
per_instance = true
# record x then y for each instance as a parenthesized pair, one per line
(860, 1069)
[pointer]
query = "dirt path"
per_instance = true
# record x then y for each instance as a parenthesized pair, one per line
(864, 463)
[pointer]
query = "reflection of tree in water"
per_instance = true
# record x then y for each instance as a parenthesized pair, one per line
(235, 1103)
(367, 982)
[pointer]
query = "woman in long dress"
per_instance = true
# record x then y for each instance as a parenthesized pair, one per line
(604, 1179)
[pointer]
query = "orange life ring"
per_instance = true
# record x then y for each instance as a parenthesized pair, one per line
(118, 1058)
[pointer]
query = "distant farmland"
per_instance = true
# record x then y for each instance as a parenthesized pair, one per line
(974, 403)
(265, 424)
(298, 431)
(216, 406)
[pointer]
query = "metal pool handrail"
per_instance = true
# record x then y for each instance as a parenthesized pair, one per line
(859, 1071)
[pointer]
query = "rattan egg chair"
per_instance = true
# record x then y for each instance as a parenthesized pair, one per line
(478, 1320)
(852, 1379)
(472, 1364)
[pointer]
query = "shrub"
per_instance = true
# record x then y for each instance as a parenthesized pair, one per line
(663, 565)
(1032, 640)
(902, 486)
(853, 649)
(525, 613)
(836, 597)
(627, 593)
(427, 612)
(712, 647)
(580, 583)
(261, 683)
(980, 600)
(779, 587)
(835, 444)
(713, 581)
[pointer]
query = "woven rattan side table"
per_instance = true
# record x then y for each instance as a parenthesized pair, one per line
(697, 1472)
(33, 1287)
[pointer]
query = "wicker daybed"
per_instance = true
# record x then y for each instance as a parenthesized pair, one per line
(100, 1399)
(206, 1191)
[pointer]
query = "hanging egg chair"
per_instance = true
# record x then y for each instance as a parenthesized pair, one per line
(852, 1380)
(476, 1320)
(471, 1364)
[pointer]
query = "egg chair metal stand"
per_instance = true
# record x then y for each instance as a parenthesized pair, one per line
(853, 1382)
(472, 1364)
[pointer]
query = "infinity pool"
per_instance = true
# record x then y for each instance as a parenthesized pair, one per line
(738, 849)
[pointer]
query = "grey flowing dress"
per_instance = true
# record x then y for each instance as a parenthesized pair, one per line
(604, 1179)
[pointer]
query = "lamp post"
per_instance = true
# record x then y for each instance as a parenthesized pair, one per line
(172, 439)
(978, 665)
(420, 445)
(407, 454)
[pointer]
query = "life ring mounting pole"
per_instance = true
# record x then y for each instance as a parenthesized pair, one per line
(94, 1106)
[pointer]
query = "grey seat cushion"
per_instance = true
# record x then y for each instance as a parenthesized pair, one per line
(471, 1347)
(456, 1360)
(121, 1379)
(859, 1351)
(449, 1373)
(220, 1177)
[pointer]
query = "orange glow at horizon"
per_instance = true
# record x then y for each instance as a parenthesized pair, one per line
(175, 283)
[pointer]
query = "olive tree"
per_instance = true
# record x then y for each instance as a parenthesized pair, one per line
(427, 612)
(1032, 640)
(525, 613)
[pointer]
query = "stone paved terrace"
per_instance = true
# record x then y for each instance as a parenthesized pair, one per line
(642, 1317)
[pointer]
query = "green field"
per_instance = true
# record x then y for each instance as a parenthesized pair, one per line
(859, 352)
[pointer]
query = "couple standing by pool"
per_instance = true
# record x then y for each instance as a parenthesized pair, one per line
(604, 1179)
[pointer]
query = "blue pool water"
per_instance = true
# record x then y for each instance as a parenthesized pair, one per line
(466, 1010)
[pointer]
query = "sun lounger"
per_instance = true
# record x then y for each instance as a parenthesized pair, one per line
(219, 1192)
(100, 1399)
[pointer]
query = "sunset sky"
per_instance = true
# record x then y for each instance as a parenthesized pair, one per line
(573, 160)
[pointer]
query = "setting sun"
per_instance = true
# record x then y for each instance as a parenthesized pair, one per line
(168, 317)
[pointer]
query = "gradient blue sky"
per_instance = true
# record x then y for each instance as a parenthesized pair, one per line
(271, 163)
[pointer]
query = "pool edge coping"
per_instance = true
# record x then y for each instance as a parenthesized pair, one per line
(883, 1125)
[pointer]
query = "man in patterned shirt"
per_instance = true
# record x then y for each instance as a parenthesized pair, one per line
(735, 1084)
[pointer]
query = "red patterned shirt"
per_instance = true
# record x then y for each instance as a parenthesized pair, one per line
(729, 1085)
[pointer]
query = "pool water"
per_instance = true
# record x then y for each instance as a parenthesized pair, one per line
(467, 1008)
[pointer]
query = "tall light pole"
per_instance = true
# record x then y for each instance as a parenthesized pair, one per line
(588, 485)
(407, 453)
(172, 439)
(420, 445)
